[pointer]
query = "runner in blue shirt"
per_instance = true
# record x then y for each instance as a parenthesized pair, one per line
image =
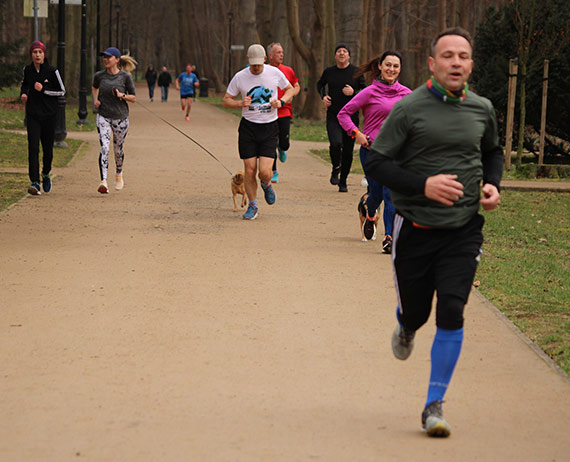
(185, 82)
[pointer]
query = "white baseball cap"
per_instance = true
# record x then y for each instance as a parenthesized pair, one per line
(256, 54)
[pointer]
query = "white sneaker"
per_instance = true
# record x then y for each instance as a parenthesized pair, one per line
(119, 183)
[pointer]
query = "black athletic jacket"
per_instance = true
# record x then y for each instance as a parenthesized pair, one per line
(42, 104)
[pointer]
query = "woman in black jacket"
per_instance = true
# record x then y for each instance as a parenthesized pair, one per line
(41, 87)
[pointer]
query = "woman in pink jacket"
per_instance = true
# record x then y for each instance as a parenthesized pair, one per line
(376, 102)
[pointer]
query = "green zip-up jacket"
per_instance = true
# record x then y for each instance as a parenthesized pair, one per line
(425, 136)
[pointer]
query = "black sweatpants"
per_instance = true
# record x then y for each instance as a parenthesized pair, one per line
(341, 147)
(429, 261)
(44, 131)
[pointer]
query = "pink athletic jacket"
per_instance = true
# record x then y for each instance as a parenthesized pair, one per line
(376, 102)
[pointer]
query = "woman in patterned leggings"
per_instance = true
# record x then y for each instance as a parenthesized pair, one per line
(112, 89)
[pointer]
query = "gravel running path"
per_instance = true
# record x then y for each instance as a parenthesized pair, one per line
(153, 324)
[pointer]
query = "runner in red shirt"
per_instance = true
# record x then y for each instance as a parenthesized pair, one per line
(285, 113)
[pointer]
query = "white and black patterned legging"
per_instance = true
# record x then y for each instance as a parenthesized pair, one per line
(119, 129)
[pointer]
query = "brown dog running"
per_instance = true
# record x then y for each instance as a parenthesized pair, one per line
(362, 211)
(238, 187)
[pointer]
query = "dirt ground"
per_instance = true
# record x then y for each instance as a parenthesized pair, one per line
(153, 324)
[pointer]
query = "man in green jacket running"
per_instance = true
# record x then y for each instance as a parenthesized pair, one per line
(439, 154)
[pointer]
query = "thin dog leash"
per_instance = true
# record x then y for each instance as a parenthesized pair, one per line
(187, 136)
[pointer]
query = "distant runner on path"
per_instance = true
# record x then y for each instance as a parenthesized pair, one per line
(258, 129)
(285, 113)
(186, 83)
(434, 151)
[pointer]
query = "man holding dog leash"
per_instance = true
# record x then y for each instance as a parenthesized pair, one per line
(438, 152)
(258, 129)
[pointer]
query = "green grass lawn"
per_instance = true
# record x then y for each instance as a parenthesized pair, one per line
(525, 269)
(12, 112)
(12, 187)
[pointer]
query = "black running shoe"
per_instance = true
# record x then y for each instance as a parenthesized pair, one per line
(387, 244)
(369, 228)
(342, 186)
(334, 176)
(46, 183)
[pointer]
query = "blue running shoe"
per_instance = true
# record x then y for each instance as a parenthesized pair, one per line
(275, 177)
(269, 193)
(251, 213)
(34, 189)
(282, 155)
(46, 183)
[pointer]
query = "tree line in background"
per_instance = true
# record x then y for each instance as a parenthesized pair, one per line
(198, 31)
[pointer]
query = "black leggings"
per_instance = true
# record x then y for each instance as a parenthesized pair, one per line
(341, 147)
(44, 131)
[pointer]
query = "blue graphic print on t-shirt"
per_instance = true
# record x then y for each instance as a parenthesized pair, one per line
(260, 97)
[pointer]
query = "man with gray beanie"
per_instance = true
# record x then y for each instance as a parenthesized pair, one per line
(342, 86)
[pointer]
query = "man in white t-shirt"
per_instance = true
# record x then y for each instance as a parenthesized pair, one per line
(258, 129)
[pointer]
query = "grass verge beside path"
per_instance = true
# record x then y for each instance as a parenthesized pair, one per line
(12, 187)
(525, 269)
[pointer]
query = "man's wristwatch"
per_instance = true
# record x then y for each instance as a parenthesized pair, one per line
(354, 132)
(282, 102)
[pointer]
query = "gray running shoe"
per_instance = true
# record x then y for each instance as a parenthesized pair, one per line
(402, 342)
(433, 422)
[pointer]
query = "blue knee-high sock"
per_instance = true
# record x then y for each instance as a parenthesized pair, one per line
(444, 355)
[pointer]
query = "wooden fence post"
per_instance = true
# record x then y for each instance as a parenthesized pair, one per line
(543, 115)
(513, 70)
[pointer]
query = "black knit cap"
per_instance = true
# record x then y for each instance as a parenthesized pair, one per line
(342, 45)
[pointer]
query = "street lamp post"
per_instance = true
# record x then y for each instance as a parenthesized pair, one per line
(82, 112)
(230, 16)
(60, 131)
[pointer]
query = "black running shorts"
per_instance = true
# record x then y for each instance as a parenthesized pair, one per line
(257, 140)
(435, 261)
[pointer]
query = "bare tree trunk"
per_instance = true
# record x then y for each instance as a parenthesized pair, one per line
(379, 32)
(312, 56)
(401, 36)
(453, 13)
(364, 48)
(350, 25)
(464, 14)
(441, 15)
(525, 12)
(248, 25)
(264, 10)
(419, 39)
(330, 31)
